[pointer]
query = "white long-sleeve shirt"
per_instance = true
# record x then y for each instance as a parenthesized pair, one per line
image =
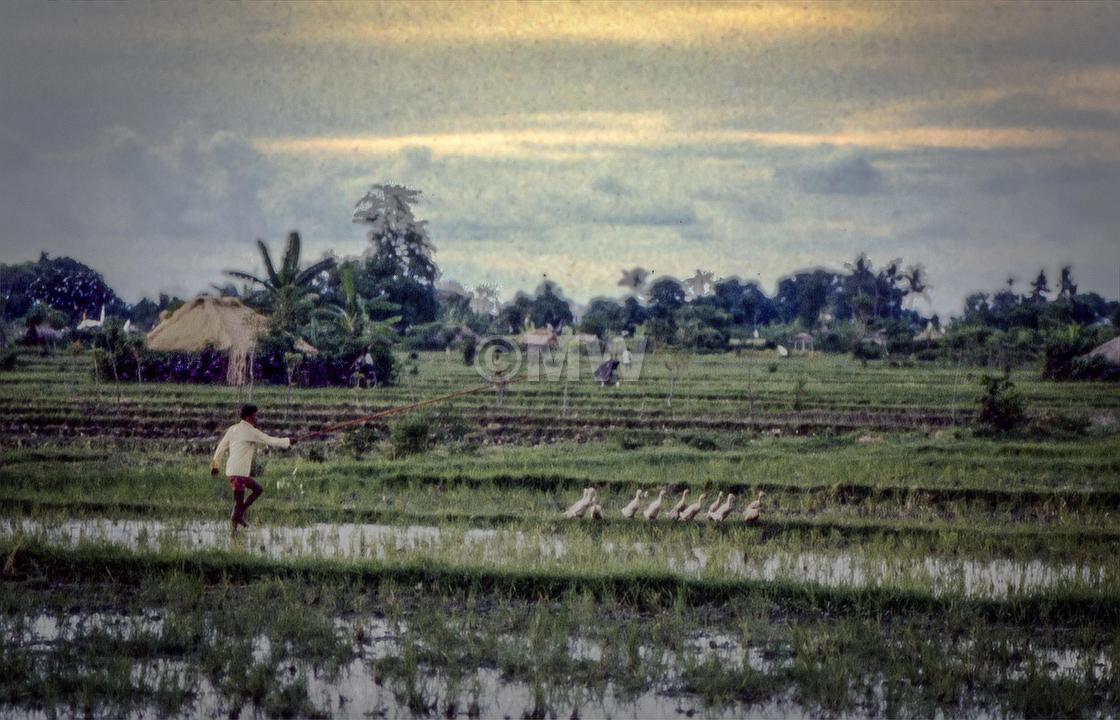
(241, 441)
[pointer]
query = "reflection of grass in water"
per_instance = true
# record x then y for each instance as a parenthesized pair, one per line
(488, 569)
(951, 662)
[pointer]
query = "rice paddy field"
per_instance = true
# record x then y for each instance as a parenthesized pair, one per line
(904, 564)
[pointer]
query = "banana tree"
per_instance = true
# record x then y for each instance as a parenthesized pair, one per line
(355, 317)
(289, 288)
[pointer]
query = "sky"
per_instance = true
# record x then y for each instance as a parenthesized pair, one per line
(156, 142)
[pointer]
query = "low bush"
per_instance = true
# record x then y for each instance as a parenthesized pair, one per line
(358, 442)
(8, 361)
(700, 441)
(1001, 406)
(411, 436)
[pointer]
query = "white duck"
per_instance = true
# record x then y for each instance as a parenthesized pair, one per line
(681, 505)
(715, 506)
(632, 509)
(655, 506)
(723, 510)
(754, 511)
(693, 510)
(579, 507)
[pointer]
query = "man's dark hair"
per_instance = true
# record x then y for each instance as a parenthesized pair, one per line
(248, 410)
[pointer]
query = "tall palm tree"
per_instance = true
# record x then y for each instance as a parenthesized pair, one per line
(634, 280)
(916, 283)
(289, 288)
(1066, 286)
(700, 284)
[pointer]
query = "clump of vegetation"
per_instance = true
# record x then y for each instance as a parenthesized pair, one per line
(8, 361)
(447, 425)
(358, 442)
(470, 349)
(799, 386)
(700, 441)
(411, 436)
(1001, 406)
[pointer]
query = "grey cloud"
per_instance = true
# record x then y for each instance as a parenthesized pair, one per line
(610, 186)
(127, 202)
(667, 217)
(854, 175)
(765, 213)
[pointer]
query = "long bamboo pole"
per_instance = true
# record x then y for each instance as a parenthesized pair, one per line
(330, 429)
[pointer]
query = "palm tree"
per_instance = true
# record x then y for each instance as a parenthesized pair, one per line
(1040, 286)
(634, 280)
(700, 284)
(1066, 286)
(289, 288)
(916, 284)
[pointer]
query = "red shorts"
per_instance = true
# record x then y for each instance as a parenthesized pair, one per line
(240, 482)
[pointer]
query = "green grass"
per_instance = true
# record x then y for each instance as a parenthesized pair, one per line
(879, 466)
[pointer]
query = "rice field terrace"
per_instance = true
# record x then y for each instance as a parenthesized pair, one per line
(904, 564)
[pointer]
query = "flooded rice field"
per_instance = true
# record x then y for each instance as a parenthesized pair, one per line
(372, 681)
(492, 548)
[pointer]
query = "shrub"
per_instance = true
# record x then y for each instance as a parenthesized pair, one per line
(1062, 356)
(411, 436)
(700, 441)
(1001, 406)
(1094, 368)
(358, 442)
(8, 361)
(470, 348)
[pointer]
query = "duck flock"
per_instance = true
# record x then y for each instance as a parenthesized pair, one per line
(588, 506)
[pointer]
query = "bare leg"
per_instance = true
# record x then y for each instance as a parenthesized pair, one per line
(238, 509)
(255, 491)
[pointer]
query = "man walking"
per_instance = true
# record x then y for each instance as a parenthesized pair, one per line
(241, 441)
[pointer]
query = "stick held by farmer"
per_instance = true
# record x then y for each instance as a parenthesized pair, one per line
(241, 442)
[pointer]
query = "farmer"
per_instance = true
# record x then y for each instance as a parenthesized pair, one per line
(241, 442)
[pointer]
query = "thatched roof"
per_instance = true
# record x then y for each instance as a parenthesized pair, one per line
(930, 335)
(221, 323)
(1110, 351)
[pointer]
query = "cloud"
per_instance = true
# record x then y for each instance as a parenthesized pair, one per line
(149, 215)
(765, 213)
(854, 175)
(659, 24)
(609, 186)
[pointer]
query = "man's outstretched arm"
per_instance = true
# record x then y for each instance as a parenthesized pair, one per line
(264, 439)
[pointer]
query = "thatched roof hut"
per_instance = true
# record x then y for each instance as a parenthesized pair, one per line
(221, 323)
(1110, 351)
